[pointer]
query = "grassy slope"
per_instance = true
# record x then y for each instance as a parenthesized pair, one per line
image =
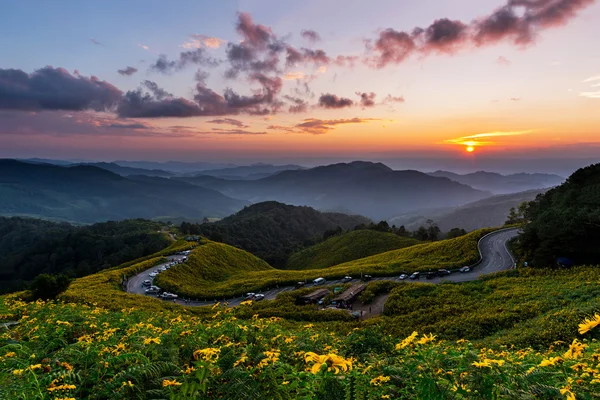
(347, 247)
(197, 280)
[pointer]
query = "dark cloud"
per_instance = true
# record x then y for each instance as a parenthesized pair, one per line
(310, 35)
(282, 128)
(257, 36)
(97, 43)
(234, 132)
(51, 88)
(131, 125)
(332, 101)
(293, 57)
(345, 61)
(366, 99)
(320, 126)
(136, 104)
(393, 99)
(229, 121)
(191, 57)
(518, 21)
(127, 71)
(503, 61)
(298, 105)
(158, 92)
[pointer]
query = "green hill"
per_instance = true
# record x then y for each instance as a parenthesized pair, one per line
(209, 263)
(565, 222)
(272, 230)
(347, 247)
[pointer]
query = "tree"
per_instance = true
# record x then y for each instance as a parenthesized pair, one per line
(48, 286)
(433, 232)
(456, 232)
(421, 234)
(517, 215)
(401, 231)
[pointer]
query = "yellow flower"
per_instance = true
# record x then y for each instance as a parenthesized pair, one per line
(575, 349)
(242, 360)
(68, 366)
(18, 372)
(246, 303)
(10, 354)
(128, 383)
(380, 380)
(285, 382)
(589, 324)
(332, 361)
(53, 388)
(482, 364)
(210, 354)
(167, 382)
(407, 341)
(425, 339)
(151, 340)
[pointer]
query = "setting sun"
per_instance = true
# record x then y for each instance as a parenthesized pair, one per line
(470, 149)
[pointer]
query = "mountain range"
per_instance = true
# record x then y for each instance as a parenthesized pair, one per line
(502, 184)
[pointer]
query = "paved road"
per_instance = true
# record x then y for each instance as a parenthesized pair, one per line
(495, 258)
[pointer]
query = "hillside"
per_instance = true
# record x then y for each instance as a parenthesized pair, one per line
(365, 188)
(565, 222)
(347, 247)
(491, 211)
(89, 194)
(254, 171)
(502, 184)
(29, 247)
(126, 171)
(272, 231)
(209, 263)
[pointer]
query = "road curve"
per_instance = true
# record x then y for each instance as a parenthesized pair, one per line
(495, 257)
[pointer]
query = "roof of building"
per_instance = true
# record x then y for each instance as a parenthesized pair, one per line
(351, 293)
(317, 294)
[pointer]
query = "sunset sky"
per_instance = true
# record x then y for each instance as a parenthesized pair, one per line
(275, 80)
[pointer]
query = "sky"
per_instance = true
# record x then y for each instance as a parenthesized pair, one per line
(247, 81)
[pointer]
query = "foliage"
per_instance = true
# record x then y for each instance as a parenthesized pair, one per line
(29, 247)
(47, 286)
(565, 222)
(455, 232)
(524, 307)
(347, 247)
(217, 271)
(517, 215)
(81, 351)
(272, 230)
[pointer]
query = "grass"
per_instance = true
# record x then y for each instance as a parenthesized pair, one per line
(347, 247)
(221, 271)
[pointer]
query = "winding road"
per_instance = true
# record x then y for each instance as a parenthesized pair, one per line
(495, 257)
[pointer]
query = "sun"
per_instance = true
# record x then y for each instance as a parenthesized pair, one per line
(470, 149)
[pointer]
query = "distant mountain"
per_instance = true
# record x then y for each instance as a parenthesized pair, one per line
(488, 212)
(502, 184)
(89, 194)
(127, 171)
(272, 230)
(255, 171)
(175, 166)
(370, 189)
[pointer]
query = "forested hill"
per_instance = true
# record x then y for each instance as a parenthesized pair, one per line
(272, 230)
(29, 247)
(565, 222)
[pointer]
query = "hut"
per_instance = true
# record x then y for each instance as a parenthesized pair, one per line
(349, 295)
(312, 297)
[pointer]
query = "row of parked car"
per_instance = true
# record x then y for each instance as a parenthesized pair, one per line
(254, 296)
(431, 274)
(152, 289)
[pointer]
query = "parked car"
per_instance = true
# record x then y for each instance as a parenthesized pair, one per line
(163, 268)
(249, 296)
(259, 297)
(465, 269)
(443, 272)
(168, 296)
(153, 290)
(299, 285)
(152, 274)
(403, 277)
(430, 275)
(147, 282)
(414, 275)
(347, 279)
(367, 278)
(319, 281)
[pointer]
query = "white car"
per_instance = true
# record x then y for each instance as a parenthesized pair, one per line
(153, 290)
(163, 268)
(168, 296)
(465, 269)
(250, 296)
(152, 274)
(259, 297)
(347, 279)
(403, 277)
(147, 283)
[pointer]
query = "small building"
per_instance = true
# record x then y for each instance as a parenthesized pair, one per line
(312, 297)
(349, 295)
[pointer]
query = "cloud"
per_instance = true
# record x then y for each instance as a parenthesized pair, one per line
(298, 105)
(393, 99)
(197, 41)
(517, 21)
(51, 88)
(235, 132)
(591, 79)
(319, 126)
(131, 125)
(476, 139)
(228, 121)
(291, 76)
(159, 93)
(503, 61)
(97, 43)
(310, 35)
(591, 95)
(366, 99)
(515, 99)
(143, 46)
(282, 128)
(191, 57)
(345, 61)
(127, 71)
(594, 94)
(332, 101)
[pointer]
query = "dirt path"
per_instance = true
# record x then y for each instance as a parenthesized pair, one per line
(373, 309)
